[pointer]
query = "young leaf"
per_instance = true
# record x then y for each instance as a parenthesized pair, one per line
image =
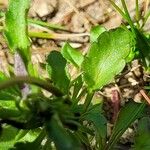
(127, 115)
(58, 73)
(96, 31)
(72, 55)
(106, 58)
(8, 104)
(16, 27)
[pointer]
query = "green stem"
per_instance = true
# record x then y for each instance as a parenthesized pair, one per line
(126, 10)
(146, 18)
(125, 15)
(128, 15)
(31, 80)
(137, 13)
(88, 101)
(41, 35)
(119, 10)
(116, 135)
(56, 35)
(48, 25)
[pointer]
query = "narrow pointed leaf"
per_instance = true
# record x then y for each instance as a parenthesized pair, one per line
(6, 113)
(9, 93)
(142, 138)
(127, 115)
(100, 124)
(143, 45)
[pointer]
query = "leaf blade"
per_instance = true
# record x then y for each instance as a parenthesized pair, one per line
(99, 67)
(142, 138)
(95, 32)
(127, 115)
(95, 116)
(72, 55)
(62, 139)
(57, 71)
(16, 27)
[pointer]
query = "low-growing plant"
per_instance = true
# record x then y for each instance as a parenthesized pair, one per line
(65, 118)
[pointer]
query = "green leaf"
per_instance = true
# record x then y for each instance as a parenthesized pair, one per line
(142, 138)
(16, 28)
(143, 45)
(106, 58)
(77, 85)
(72, 55)
(32, 140)
(8, 100)
(96, 31)
(9, 93)
(8, 104)
(47, 25)
(63, 140)
(100, 124)
(7, 138)
(57, 71)
(127, 115)
(6, 113)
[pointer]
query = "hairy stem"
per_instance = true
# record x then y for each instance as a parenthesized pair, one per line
(31, 80)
